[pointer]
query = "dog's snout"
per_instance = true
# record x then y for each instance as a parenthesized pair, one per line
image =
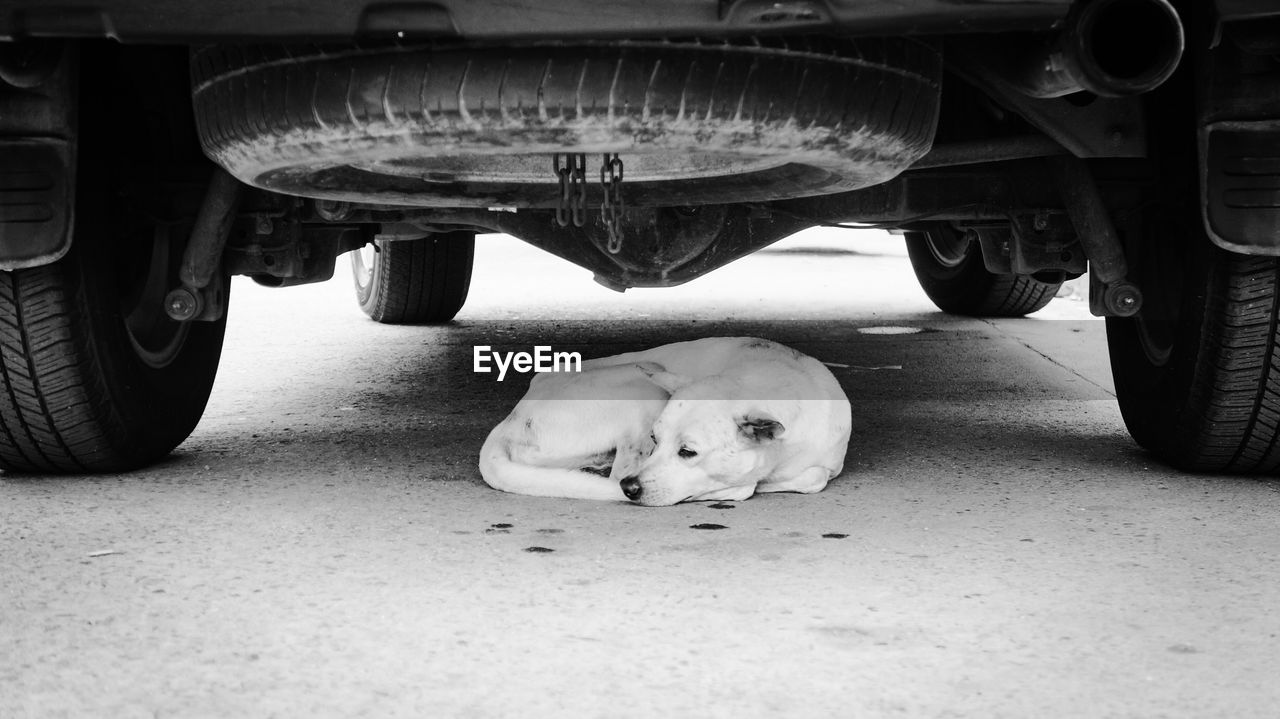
(631, 487)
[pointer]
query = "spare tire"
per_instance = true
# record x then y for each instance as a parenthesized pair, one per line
(475, 125)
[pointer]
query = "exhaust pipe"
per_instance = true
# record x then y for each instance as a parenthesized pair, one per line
(1112, 48)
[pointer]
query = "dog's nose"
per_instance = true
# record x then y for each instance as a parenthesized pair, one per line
(631, 487)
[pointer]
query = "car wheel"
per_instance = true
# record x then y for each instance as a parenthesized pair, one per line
(951, 272)
(95, 376)
(1195, 370)
(414, 281)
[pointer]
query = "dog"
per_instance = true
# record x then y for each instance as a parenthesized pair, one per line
(712, 419)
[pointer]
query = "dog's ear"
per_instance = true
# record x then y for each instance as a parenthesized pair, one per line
(668, 381)
(760, 427)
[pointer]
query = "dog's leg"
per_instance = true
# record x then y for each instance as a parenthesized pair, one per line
(500, 471)
(811, 480)
(556, 451)
(730, 494)
(553, 482)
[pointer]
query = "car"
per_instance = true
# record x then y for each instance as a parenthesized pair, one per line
(151, 150)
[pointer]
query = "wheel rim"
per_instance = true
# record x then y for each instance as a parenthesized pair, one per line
(948, 248)
(362, 261)
(1161, 277)
(157, 340)
(1156, 338)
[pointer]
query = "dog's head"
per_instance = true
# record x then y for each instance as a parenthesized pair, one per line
(707, 445)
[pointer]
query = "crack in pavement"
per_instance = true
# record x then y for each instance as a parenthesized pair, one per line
(993, 324)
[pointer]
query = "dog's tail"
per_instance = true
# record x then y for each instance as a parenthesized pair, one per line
(500, 471)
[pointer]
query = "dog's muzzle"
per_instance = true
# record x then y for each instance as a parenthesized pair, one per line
(631, 488)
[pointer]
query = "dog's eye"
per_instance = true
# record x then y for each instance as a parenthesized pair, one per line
(686, 453)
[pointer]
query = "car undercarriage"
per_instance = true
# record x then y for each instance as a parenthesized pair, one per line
(148, 154)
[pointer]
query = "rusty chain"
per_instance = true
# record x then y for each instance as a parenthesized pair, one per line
(612, 207)
(572, 175)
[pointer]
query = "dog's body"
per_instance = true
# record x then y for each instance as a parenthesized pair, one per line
(717, 418)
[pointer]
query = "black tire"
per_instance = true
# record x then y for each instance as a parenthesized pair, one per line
(94, 377)
(411, 282)
(475, 125)
(1197, 370)
(951, 272)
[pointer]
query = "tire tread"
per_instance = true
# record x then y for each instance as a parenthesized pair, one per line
(267, 107)
(40, 372)
(1240, 428)
(421, 281)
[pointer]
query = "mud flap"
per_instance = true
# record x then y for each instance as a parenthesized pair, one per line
(1240, 185)
(36, 181)
(37, 151)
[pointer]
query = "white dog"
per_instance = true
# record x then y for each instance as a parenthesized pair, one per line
(716, 418)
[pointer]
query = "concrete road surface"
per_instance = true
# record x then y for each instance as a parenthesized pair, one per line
(323, 545)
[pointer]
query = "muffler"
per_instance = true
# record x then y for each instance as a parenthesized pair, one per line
(1111, 48)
